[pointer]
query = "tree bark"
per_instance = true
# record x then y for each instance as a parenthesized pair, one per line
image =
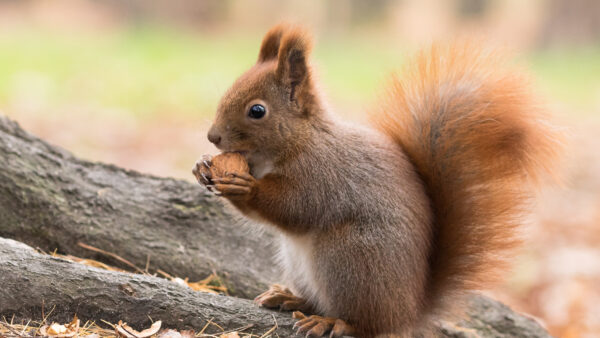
(52, 200)
(30, 279)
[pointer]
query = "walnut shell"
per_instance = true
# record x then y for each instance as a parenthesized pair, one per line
(228, 163)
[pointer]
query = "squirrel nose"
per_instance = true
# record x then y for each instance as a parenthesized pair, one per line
(214, 138)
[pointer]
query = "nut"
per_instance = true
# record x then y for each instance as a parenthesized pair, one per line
(227, 163)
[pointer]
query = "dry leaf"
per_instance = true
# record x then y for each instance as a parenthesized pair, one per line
(230, 335)
(188, 334)
(203, 285)
(58, 330)
(121, 332)
(169, 334)
(179, 281)
(175, 334)
(73, 325)
(124, 330)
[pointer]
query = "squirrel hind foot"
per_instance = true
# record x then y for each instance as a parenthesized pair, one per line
(278, 296)
(317, 326)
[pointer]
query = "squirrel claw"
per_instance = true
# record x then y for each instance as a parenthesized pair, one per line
(201, 171)
(317, 326)
(205, 178)
(243, 176)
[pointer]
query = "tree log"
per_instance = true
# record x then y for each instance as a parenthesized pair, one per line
(30, 279)
(52, 200)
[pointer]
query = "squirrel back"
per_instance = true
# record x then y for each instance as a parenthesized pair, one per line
(470, 127)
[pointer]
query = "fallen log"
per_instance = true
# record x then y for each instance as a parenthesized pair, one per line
(53, 200)
(31, 280)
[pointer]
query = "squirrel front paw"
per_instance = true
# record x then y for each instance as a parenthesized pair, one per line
(202, 170)
(234, 186)
(226, 175)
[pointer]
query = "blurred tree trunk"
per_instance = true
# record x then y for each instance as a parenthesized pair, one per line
(52, 200)
(571, 22)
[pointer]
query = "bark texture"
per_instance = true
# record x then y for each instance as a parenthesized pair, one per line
(52, 200)
(30, 279)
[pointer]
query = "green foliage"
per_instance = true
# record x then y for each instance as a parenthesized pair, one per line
(151, 71)
(570, 75)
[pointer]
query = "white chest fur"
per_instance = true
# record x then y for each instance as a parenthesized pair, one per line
(296, 260)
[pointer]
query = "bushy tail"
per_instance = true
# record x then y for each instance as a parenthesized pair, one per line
(468, 124)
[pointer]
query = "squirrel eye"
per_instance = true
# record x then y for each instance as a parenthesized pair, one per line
(257, 111)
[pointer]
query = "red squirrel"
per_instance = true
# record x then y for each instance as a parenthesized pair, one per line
(382, 229)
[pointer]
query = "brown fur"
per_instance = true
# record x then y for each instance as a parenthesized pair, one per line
(380, 228)
(270, 45)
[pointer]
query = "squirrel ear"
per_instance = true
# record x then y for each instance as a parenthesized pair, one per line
(270, 43)
(292, 64)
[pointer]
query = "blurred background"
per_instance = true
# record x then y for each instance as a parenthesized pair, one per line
(136, 83)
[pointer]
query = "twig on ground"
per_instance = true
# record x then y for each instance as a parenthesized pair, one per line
(113, 255)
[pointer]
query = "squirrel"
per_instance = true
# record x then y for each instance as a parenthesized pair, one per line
(382, 228)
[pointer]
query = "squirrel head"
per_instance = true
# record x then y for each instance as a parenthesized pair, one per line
(269, 111)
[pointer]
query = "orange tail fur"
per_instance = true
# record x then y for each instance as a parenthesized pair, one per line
(468, 124)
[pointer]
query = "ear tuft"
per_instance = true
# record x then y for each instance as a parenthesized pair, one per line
(270, 43)
(292, 64)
